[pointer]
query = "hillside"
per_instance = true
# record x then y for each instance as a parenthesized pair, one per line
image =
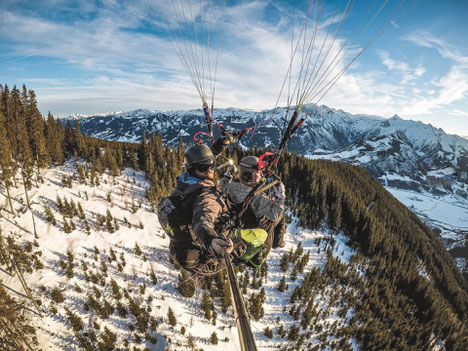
(342, 280)
(394, 145)
(81, 283)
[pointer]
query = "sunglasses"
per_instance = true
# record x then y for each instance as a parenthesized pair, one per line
(204, 167)
(248, 176)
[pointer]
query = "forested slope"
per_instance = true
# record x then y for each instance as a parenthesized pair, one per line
(413, 289)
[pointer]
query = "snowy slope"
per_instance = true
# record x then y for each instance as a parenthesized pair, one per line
(94, 251)
(445, 214)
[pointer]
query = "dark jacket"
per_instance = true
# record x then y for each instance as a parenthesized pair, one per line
(262, 211)
(210, 217)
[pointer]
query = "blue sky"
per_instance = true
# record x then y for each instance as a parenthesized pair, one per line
(89, 56)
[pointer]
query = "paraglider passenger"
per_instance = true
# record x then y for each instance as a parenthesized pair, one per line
(265, 211)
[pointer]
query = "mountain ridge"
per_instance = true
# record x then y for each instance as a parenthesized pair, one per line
(325, 131)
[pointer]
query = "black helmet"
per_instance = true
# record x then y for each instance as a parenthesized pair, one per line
(248, 166)
(198, 154)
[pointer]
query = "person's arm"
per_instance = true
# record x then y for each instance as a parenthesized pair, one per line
(206, 210)
(222, 143)
(227, 179)
(270, 207)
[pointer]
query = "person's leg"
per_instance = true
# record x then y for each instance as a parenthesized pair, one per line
(278, 235)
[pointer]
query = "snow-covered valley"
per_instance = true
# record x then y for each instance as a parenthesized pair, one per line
(446, 214)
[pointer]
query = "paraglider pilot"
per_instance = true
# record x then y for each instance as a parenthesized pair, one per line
(195, 214)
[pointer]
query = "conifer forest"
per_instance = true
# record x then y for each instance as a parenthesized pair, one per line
(400, 290)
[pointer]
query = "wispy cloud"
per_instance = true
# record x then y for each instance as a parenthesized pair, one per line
(451, 87)
(101, 47)
(445, 49)
(408, 73)
(459, 113)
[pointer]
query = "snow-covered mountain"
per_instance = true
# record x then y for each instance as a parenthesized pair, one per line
(407, 148)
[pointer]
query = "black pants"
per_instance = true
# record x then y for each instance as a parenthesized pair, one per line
(195, 260)
(278, 234)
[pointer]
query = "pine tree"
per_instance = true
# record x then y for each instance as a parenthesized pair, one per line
(66, 226)
(149, 165)
(191, 342)
(115, 290)
(180, 152)
(137, 249)
(293, 275)
(116, 224)
(57, 295)
(74, 319)
(81, 173)
(186, 285)
(11, 109)
(284, 263)
(49, 215)
(207, 305)
(256, 310)
(78, 140)
(293, 333)
(282, 286)
(281, 331)
(87, 227)
(6, 169)
(214, 338)
(81, 214)
(142, 150)
(226, 294)
(153, 277)
(109, 222)
(107, 340)
(36, 128)
(23, 153)
(171, 318)
(111, 162)
(54, 141)
(70, 264)
(69, 141)
(134, 160)
(60, 206)
(268, 332)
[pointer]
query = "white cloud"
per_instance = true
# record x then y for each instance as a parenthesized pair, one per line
(408, 74)
(452, 87)
(445, 49)
(459, 113)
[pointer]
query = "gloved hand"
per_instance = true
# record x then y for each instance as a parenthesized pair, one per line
(220, 244)
(279, 191)
(228, 137)
(230, 171)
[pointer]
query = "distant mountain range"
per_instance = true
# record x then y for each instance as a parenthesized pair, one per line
(431, 159)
